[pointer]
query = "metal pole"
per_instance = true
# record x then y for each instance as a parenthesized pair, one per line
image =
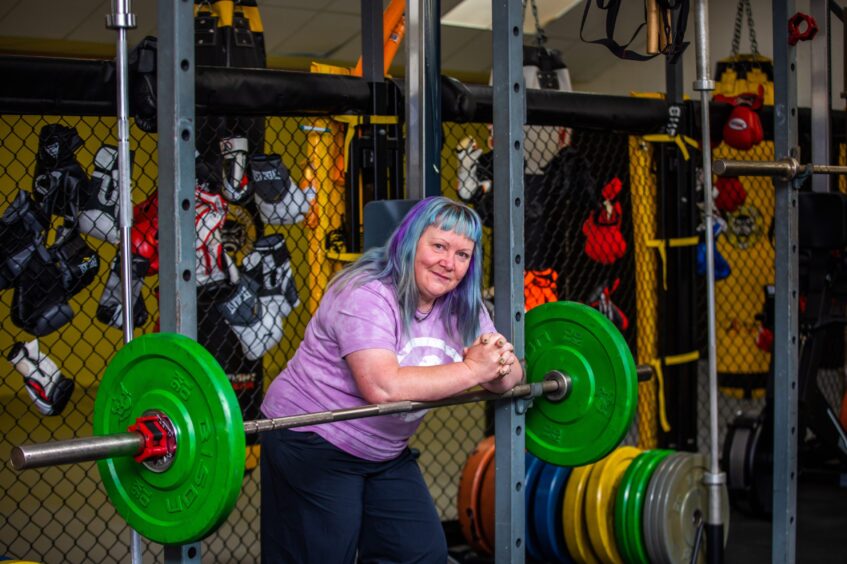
(555, 387)
(786, 280)
(120, 20)
(509, 98)
(714, 479)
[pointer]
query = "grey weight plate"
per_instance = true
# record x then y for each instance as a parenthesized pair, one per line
(650, 501)
(682, 506)
(663, 493)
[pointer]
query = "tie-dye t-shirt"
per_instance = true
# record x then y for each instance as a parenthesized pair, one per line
(319, 379)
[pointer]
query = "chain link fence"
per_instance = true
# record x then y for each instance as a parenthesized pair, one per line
(273, 207)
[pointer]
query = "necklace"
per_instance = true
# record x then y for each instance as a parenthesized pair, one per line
(420, 315)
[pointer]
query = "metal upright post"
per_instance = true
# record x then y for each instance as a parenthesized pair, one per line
(509, 117)
(423, 99)
(784, 532)
(821, 64)
(177, 283)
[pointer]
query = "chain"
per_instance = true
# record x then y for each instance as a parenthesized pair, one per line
(744, 6)
(754, 47)
(540, 36)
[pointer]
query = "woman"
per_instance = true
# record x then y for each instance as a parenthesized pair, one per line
(405, 322)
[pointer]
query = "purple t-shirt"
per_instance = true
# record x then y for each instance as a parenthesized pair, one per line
(318, 378)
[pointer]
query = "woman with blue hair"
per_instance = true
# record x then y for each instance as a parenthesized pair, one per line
(404, 322)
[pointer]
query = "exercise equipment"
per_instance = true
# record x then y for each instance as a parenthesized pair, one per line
(547, 513)
(187, 433)
(470, 486)
(676, 507)
(629, 505)
(600, 498)
(573, 516)
(576, 339)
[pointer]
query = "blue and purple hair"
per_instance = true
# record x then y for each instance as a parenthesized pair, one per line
(395, 263)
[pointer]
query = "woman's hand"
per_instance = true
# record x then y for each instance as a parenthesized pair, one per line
(492, 359)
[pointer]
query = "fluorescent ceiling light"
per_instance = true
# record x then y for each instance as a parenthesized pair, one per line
(476, 14)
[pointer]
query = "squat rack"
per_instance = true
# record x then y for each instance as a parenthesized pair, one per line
(177, 287)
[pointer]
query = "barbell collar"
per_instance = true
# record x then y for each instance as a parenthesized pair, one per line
(88, 449)
(81, 449)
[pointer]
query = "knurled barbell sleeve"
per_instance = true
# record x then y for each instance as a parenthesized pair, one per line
(82, 449)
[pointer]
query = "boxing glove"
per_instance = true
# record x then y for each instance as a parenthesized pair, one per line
(144, 243)
(110, 305)
(236, 186)
(78, 264)
(48, 389)
(98, 217)
(209, 218)
(743, 129)
(39, 304)
(722, 269)
(269, 263)
(22, 230)
(604, 242)
(240, 306)
(278, 198)
(466, 174)
(731, 194)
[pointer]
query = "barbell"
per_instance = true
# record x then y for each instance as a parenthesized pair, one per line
(169, 440)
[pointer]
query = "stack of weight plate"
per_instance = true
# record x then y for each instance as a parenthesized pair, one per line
(544, 487)
(675, 506)
(589, 507)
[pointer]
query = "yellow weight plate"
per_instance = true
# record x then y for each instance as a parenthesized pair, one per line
(600, 502)
(573, 516)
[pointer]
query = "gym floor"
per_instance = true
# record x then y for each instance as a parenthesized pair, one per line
(822, 519)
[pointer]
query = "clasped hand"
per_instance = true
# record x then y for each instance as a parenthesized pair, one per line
(492, 358)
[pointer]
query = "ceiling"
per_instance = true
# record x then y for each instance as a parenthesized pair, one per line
(296, 33)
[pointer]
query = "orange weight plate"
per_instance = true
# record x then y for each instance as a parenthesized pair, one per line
(470, 485)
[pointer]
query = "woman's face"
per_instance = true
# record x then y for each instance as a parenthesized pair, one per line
(441, 261)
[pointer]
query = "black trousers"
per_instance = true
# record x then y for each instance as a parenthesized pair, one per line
(321, 505)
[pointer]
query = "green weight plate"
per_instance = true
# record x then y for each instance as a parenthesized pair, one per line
(622, 500)
(174, 375)
(651, 501)
(579, 341)
(682, 507)
(635, 510)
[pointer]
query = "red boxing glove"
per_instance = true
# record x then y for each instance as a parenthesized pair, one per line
(145, 243)
(743, 129)
(148, 210)
(604, 242)
(731, 194)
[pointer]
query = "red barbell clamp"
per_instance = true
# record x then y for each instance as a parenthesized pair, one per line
(158, 441)
(794, 24)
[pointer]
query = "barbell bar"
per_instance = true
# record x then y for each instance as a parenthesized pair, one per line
(170, 441)
(554, 387)
(787, 169)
